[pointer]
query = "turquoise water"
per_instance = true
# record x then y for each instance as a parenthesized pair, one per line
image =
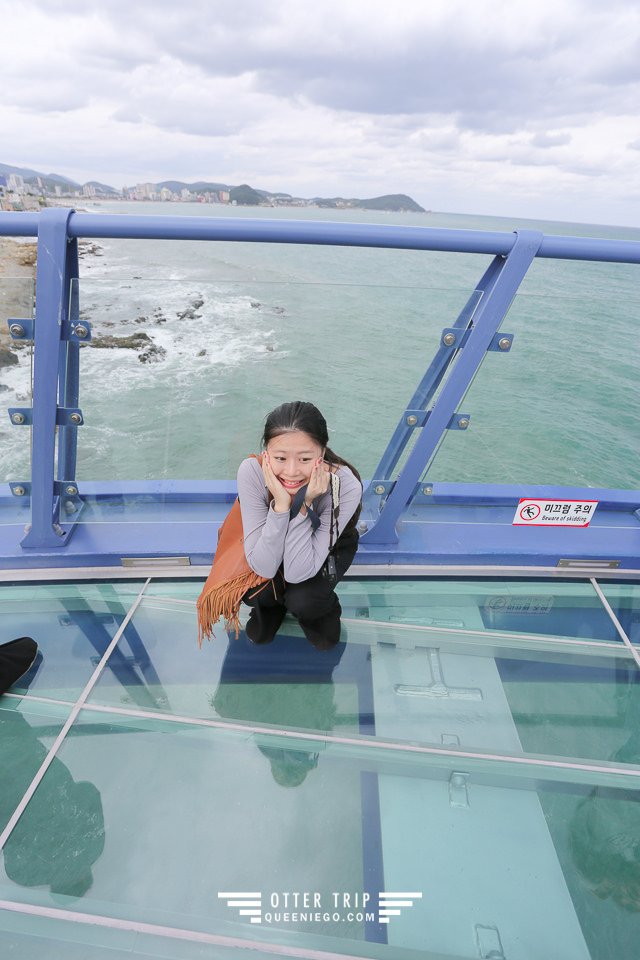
(235, 329)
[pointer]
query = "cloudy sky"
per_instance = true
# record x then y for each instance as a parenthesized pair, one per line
(506, 107)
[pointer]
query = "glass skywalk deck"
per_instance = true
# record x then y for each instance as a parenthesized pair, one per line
(459, 779)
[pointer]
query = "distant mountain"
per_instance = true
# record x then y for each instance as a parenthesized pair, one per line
(391, 201)
(30, 176)
(23, 172)
(243, 194)
(101, 187)
(200, 186)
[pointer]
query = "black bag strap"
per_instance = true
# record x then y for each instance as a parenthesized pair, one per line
(296, 506)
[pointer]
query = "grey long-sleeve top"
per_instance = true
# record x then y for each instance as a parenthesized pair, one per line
(272, 539)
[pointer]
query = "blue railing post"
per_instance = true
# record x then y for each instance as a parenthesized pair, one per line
(499, 286)
(69, 377)
(56, 265)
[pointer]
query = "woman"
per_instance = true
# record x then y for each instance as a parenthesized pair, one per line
(299, 525)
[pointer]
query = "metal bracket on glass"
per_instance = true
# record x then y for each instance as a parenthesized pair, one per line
(489, 943)
(438, 688)
(459, 421)
(20, 489)
(80, 331)
(454, 337)
(458, 791)
(382, 487)
(20, 416)
(450, 740)
(21, 329)
(423, 492)
(416, 418)
(69, 417)
(501, 342)
(69, 495)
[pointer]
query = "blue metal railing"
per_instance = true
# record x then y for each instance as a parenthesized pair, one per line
(55, 414)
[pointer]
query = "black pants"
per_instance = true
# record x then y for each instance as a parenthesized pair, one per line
(312, 602)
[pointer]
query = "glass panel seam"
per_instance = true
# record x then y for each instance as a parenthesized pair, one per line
(179, 933)
(368, 744)
(4, 836)
(32, 699)
(616, 622)
(486, 635)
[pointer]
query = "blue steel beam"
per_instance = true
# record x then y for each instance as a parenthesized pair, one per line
(19, 224)
(499, 284)
(69, 371)
(424, 393)
(110, 226)
(345, 234)
(57, 260)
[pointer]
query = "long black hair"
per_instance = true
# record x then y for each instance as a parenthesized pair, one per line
(304, 416)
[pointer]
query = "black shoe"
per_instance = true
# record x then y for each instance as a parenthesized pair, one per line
(264, 623)
(324, 632)
(15, 659)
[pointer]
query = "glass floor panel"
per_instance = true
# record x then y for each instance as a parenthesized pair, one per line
(73, 625)
(554, 608)
(421, 791)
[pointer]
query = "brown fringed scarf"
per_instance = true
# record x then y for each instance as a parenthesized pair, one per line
(230, 578)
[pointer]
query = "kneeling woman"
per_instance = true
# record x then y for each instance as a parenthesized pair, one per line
(299, 510)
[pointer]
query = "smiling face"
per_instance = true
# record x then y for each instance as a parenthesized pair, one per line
(293, 456)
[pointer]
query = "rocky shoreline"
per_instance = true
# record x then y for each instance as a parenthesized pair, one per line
(17, 288)
(17, 285)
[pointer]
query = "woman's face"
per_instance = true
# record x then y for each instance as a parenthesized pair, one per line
(292, 457)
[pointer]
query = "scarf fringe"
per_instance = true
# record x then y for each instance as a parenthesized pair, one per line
(222, 601)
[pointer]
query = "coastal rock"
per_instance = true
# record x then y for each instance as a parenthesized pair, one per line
(7, 357)
(135, 341)
(152, 354)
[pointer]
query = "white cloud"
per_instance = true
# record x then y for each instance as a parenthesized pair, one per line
(461, 103)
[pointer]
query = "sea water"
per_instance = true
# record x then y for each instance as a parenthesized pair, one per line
(223, 332)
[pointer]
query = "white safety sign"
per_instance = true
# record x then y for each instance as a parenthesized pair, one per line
(555, 513)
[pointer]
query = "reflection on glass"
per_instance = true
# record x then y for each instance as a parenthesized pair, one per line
(532, 607)
(73, 625)
(624, 599)
(251, 688)
(60, 835)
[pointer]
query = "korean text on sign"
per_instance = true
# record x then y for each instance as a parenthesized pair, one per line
(555, 513)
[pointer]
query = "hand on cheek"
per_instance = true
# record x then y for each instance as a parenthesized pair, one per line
(281, 497)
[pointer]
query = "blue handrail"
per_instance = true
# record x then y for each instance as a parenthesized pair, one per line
(391, 236)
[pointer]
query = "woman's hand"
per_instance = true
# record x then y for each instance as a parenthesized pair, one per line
(281, 498)
(318, 481)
